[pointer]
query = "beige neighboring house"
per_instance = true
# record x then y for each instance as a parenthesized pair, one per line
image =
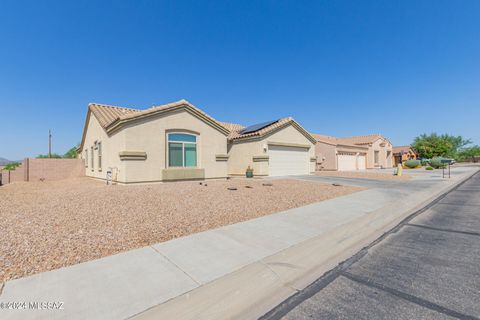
(274, 148)
(351, 152)
(178, 141)
(332, 154)
(379, 153)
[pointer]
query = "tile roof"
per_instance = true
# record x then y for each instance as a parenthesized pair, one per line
(400, 149)
(111, 116)
(237, 132)
(236, 129)
(361, 139)
(334, 141)
(106, 114)
(325, 139)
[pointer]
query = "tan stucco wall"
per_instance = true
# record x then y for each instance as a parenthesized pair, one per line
(111, 145)
(240, 156)
(326, 156)
(150, 136)
(329, 152)
(383, 160)
(241, 153)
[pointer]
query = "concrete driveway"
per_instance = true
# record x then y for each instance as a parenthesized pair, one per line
(426, 268)
(421, 178)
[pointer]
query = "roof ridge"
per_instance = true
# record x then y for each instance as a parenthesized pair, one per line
(111, 106)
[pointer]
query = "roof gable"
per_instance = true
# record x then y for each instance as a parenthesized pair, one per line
(335, 141)
(113, 118)
(164, 109)
(107, 114)
(403, 149)
(237, 135)
(363, 140)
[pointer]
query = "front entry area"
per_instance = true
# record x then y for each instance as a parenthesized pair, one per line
(287, 161)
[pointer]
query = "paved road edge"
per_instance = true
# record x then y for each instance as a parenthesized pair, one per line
(252, 291)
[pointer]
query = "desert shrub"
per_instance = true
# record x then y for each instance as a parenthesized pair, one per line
(425, 162)
(437, 163)
(413, 164)
(428, 168)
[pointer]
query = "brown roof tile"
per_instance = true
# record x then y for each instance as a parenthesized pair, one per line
(236, 134)
(235, 129)
(334, 141)
(106, 114)
(361, 139)
(111, 116)
(400, 149)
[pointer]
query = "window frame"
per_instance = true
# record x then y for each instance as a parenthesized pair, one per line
(92, 158)
(376, 156)
(86, 158)
(183, 143)
(99, 155)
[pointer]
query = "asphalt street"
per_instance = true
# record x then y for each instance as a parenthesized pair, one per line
(426, 268)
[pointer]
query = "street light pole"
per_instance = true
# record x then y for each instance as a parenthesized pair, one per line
(49, 143)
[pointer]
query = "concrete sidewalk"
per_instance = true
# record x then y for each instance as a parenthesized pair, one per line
(192, 271)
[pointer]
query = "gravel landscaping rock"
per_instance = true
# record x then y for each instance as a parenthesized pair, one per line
(52, 224)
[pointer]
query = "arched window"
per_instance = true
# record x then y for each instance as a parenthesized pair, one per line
(182, 150)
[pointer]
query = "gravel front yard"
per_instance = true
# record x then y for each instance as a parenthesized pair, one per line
(364, 175)
(48, 225)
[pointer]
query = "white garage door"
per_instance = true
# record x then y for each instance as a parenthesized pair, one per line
(347, 162)
(288, 161)
(362, 162)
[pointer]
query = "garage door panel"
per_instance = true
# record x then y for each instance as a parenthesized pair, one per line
(362, 162)
(347, 162)
(285, 161)
(351, 162)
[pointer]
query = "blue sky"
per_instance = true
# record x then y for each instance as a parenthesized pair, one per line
(342, 68)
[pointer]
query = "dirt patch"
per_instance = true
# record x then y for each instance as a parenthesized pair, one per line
(364, 175)
(48, 225)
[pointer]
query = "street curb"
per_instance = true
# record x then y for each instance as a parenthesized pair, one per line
(252, 291)
(287, 305)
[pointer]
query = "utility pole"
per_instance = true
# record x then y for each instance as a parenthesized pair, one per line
(49, 143)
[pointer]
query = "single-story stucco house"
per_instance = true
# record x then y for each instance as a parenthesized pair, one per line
(178, 141)
(333, 154)
(375, 149)
(403, 153)
(274, 148)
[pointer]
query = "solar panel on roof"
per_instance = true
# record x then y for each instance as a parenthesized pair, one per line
(257, 127)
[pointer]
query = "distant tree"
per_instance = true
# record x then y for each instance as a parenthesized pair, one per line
(71, 154)
(11, 166)
(45, 156)
(469, 153)
(434, 145)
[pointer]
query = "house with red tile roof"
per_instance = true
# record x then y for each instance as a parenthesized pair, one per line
(403, 153)
(353, 153)
(178, 141)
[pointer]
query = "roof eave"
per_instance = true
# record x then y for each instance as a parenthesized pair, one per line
(267, 133)
(119, 122)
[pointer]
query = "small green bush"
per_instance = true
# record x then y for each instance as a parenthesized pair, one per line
(413, 164)
(428, 168)
(425, 162)
(437, 163)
